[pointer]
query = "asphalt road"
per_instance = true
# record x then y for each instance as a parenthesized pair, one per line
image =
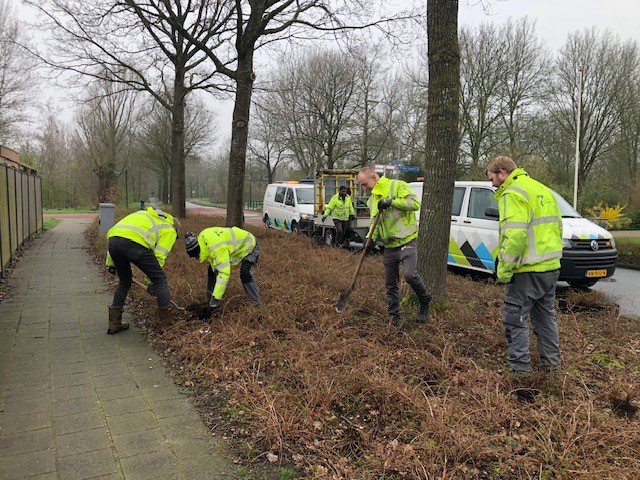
(623, 287)
(250, 217)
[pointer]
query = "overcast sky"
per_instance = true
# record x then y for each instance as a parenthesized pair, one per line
(555, 20)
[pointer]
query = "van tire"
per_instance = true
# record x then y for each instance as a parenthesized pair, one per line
(329, 237)
(582, 284)
(294, 227)
(266, 220)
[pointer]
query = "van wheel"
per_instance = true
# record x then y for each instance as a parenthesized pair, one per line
(266, 220)
(329, 237)
(294, 227)
(582, 284)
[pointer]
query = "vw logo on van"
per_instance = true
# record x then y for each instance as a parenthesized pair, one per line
(594, 245)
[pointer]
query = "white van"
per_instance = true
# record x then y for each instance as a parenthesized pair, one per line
(589, 250)
(288, 206)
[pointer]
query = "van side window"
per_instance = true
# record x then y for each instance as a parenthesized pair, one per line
(289, 199)
(480, 200)
(280, 194)
(458, 196)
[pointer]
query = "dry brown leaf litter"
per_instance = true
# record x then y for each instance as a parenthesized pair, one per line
(351, 397)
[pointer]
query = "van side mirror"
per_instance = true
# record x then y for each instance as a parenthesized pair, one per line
(492, 212)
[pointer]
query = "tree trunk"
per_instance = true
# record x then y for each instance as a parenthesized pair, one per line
(177, 147)
(442, 142)
(239, 134)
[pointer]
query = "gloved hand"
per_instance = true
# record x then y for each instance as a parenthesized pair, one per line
(147, 281)
(324, 218)
(384, 203)
(352, 217)
(112, 270)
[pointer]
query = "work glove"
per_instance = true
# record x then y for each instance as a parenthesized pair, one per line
(112, 270)
(324, 218)
(384, 203)
(147, 281)
(352, 217)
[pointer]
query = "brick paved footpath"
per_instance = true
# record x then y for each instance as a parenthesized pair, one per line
(76, 403)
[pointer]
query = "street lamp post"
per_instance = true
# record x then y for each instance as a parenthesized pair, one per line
(578, 124)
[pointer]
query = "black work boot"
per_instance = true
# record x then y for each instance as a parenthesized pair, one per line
(115, 321)
(423, 311)
(165, 318)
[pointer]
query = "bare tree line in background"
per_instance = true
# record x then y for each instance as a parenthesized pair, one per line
(319, 107)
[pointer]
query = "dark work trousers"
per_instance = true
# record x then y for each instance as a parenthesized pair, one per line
(341, 230)
(407, 257)
(246, 276)
(124, 252)
(531, 293)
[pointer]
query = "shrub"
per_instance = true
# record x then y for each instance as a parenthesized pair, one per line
(610, 218)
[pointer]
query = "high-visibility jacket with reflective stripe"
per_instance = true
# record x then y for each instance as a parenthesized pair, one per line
(340, 209)
(397, 225)
(224, 247)
(530, 227)
(150, 228)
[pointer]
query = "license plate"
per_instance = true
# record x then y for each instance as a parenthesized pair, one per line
(597, 273)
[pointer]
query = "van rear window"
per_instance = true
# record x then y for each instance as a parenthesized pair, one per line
(280, 194)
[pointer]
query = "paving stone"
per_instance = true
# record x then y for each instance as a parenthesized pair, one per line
(76, 405)
(147, 466)
(82, 441)
(118, 391)
(135, 443)
(88, 465)
(78, 422)
(71, 379)
(131, 422)
(76, 367)
(118, 406)
(27, 464)
(171, 407)
(23, 421)
(24, 442)
(75, 391)
(113, 380)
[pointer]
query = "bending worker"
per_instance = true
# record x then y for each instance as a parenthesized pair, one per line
(341, 210)
(530, 248)
(143, 238)
(223, 247)
(397, 229)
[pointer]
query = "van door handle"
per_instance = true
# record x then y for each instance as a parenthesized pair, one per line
(466, 221)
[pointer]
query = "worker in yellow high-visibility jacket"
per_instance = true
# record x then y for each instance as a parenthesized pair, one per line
(223, 247)
(143, 238)
(530, 248)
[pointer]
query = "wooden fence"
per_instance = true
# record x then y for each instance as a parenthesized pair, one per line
(20, 205)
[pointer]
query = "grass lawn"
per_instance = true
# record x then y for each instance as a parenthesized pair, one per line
(49, 223)
(70, 210)
(352, 397)
(628, 250)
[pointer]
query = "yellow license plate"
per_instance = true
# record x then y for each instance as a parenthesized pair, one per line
(597, 273)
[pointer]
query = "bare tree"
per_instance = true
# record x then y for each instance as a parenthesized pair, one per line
(255, 23)
(482, 71)
(442, 141)
(105, 134)
(154, 139)
(133, 44)
(523, 81)
(267, 141)
(17, 81)
(607, 62)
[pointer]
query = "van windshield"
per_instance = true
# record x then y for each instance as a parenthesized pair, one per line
(566, 210)
(304, 196)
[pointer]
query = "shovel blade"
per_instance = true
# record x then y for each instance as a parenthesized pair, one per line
(341, 303)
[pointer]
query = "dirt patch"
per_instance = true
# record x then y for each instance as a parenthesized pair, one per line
(352, 397)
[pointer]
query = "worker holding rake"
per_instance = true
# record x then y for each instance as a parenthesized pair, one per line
(397, 229)
(223, 247)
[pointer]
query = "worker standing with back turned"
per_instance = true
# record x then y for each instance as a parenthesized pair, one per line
(530, 248)
(145, 239)
(341, 210)
(397, 229)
